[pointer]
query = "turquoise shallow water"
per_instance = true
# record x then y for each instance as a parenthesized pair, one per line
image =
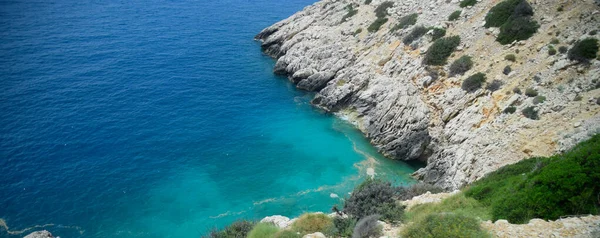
(160, 119)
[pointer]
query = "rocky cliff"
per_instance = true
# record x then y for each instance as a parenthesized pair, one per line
(411, 111)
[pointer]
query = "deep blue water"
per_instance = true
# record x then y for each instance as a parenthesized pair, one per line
(160, 118)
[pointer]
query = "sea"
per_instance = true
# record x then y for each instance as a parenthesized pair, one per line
(161, 118)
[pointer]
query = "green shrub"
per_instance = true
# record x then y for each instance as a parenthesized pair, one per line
(563, 49)
(546, 188)
(443, 226)
(560, 9)
(517, 90)
(455, 15)
(263, 230)
(501, 12)
(474, 82)
(351, 12)
(367, 227)
(437, 33)
(530, 92)
(510, 110)
(514, 19)
(370, 197)
(374, 27)
(510, 57)
(368, 2)
(286, 234)
(415, 34)
(551, 50)
(466, 3)
(312, 222)
(539, 99)
(593, 32)
(507, 70)
(406, 21)
(494, 86)
(584, 50)
(517, 29)
(381, 10)
(237, 229)
(343, 226)
(598, 101)
(407, 193)
(461, 65)
(358, 31)
(554, 41)
(440, 50)
(531, 113)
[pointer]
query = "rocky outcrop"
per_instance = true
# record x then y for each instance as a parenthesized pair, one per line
(410, 111)
(581, 227)
(40, 234)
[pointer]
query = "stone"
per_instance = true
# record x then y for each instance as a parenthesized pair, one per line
(315, 235)
(280, 221)
(40, 234)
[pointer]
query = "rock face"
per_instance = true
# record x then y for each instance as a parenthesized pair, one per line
(40, 234)
(410, 111)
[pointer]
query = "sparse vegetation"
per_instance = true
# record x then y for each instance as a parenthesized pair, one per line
(374, 27)
(584, 50)
(444, 225)
(367, 2)
(467, 3)
(461, 65)
(416, 33)
(531, 113)
(312, 222)
(530, 92)
(351, 12)
(554, 41)
(495, 85)
(539, 99)
(237, 229)
(263, 230)
(455, 15)
(343, 226)
(474, 82)
(510, 57)
(507, 70)
(510, 110)
(418, 189)
(560, 9)
(563, 49)
(440, 50)
(406, 21)
(551, 50)
(286, 234)
(517, 90)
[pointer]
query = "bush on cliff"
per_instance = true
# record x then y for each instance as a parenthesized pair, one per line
(381, 10)
(440, 50)
(471, 84)
(437, 33)
(406, 21)
(544, 187)
(287, 234)
(461, 65)
(415, 34)
(374, 27)
(372, 197)
(443, 226)
(351, 12)
(263, 230)
(584, 50)
(312, 222)
(240, 228)
(454, 16)
(343, 226)
(514, 19)
(367, 227)
(467, 3)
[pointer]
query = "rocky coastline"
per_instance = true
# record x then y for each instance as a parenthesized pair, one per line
(411, 111)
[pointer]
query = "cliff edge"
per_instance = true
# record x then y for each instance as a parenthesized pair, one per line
(413, 111)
